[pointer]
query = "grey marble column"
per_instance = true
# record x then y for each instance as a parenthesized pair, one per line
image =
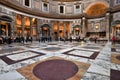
(12, 28)
(52, 30)
(83, 27)
(108, 26)
(31, 26)
(0, 28)
(38, 28)
(23, 35)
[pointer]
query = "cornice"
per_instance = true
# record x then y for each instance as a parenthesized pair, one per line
(30, 11)
(14, 5)
(67, 0)
(115, 9)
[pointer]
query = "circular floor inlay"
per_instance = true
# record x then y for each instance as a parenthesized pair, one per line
(55, 70)
(118, 57)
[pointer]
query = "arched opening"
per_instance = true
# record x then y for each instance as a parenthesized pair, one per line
(116, 29)
(5, 26)
(77, 30)
(34, 28)
(18, 20)
(45, 30)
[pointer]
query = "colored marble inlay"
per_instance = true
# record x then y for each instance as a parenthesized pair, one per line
(115, 75)
(118, 57)
(21, 56)
(9, 50)
(52, 48)
(91, 47)
(115, 58)
(54, 68)
(83, 53)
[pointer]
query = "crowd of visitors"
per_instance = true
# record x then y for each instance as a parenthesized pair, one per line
(44, 38)
(9, 40)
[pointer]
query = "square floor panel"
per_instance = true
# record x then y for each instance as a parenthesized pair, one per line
(113, 49)
(21, 56)
(91, 47)
(28, 71)
(115, 75)
(82, 53)
(52, 48)
(115, 58)
(9, 50)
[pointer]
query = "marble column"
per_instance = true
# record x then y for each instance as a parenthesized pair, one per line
(108, 26)
(38, 29)
(23, 35)
(0, 28)
(31, 26)
(101, 25)
(83, 27)
(64, 23)
(93, 26)
(12, 28)
(51, 29)
(58, 31)
(7, 29)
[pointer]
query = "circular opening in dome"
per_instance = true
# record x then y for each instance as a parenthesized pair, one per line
(55, 70)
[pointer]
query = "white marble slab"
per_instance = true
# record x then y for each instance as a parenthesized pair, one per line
(13, 75)
(93, 76)
(100, 67)
(81, 53)
(118, 50)
(87, 49)
(2, 63)
(21, 56)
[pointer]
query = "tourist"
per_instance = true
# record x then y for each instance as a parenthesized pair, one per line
(95, 39)
(113, 40)
(70, 39)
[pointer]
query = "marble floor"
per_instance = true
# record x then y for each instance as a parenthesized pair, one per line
(102, 60)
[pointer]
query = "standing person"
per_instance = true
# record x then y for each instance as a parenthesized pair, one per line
(70, 38)
(31, 39)
(95, 39)
(113, 40)
(22, 38)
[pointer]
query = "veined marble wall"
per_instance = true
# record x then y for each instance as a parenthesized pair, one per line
(116, 2)
(70, 8)
(96, 25)
(37, 4)
(116, 16)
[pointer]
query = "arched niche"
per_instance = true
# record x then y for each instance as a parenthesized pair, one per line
(5, 25)
(45, 30)
(96, 9)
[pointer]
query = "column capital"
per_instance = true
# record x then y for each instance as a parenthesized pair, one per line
(22, 16)
(31, 18)
(83, 18)
(107, 14)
